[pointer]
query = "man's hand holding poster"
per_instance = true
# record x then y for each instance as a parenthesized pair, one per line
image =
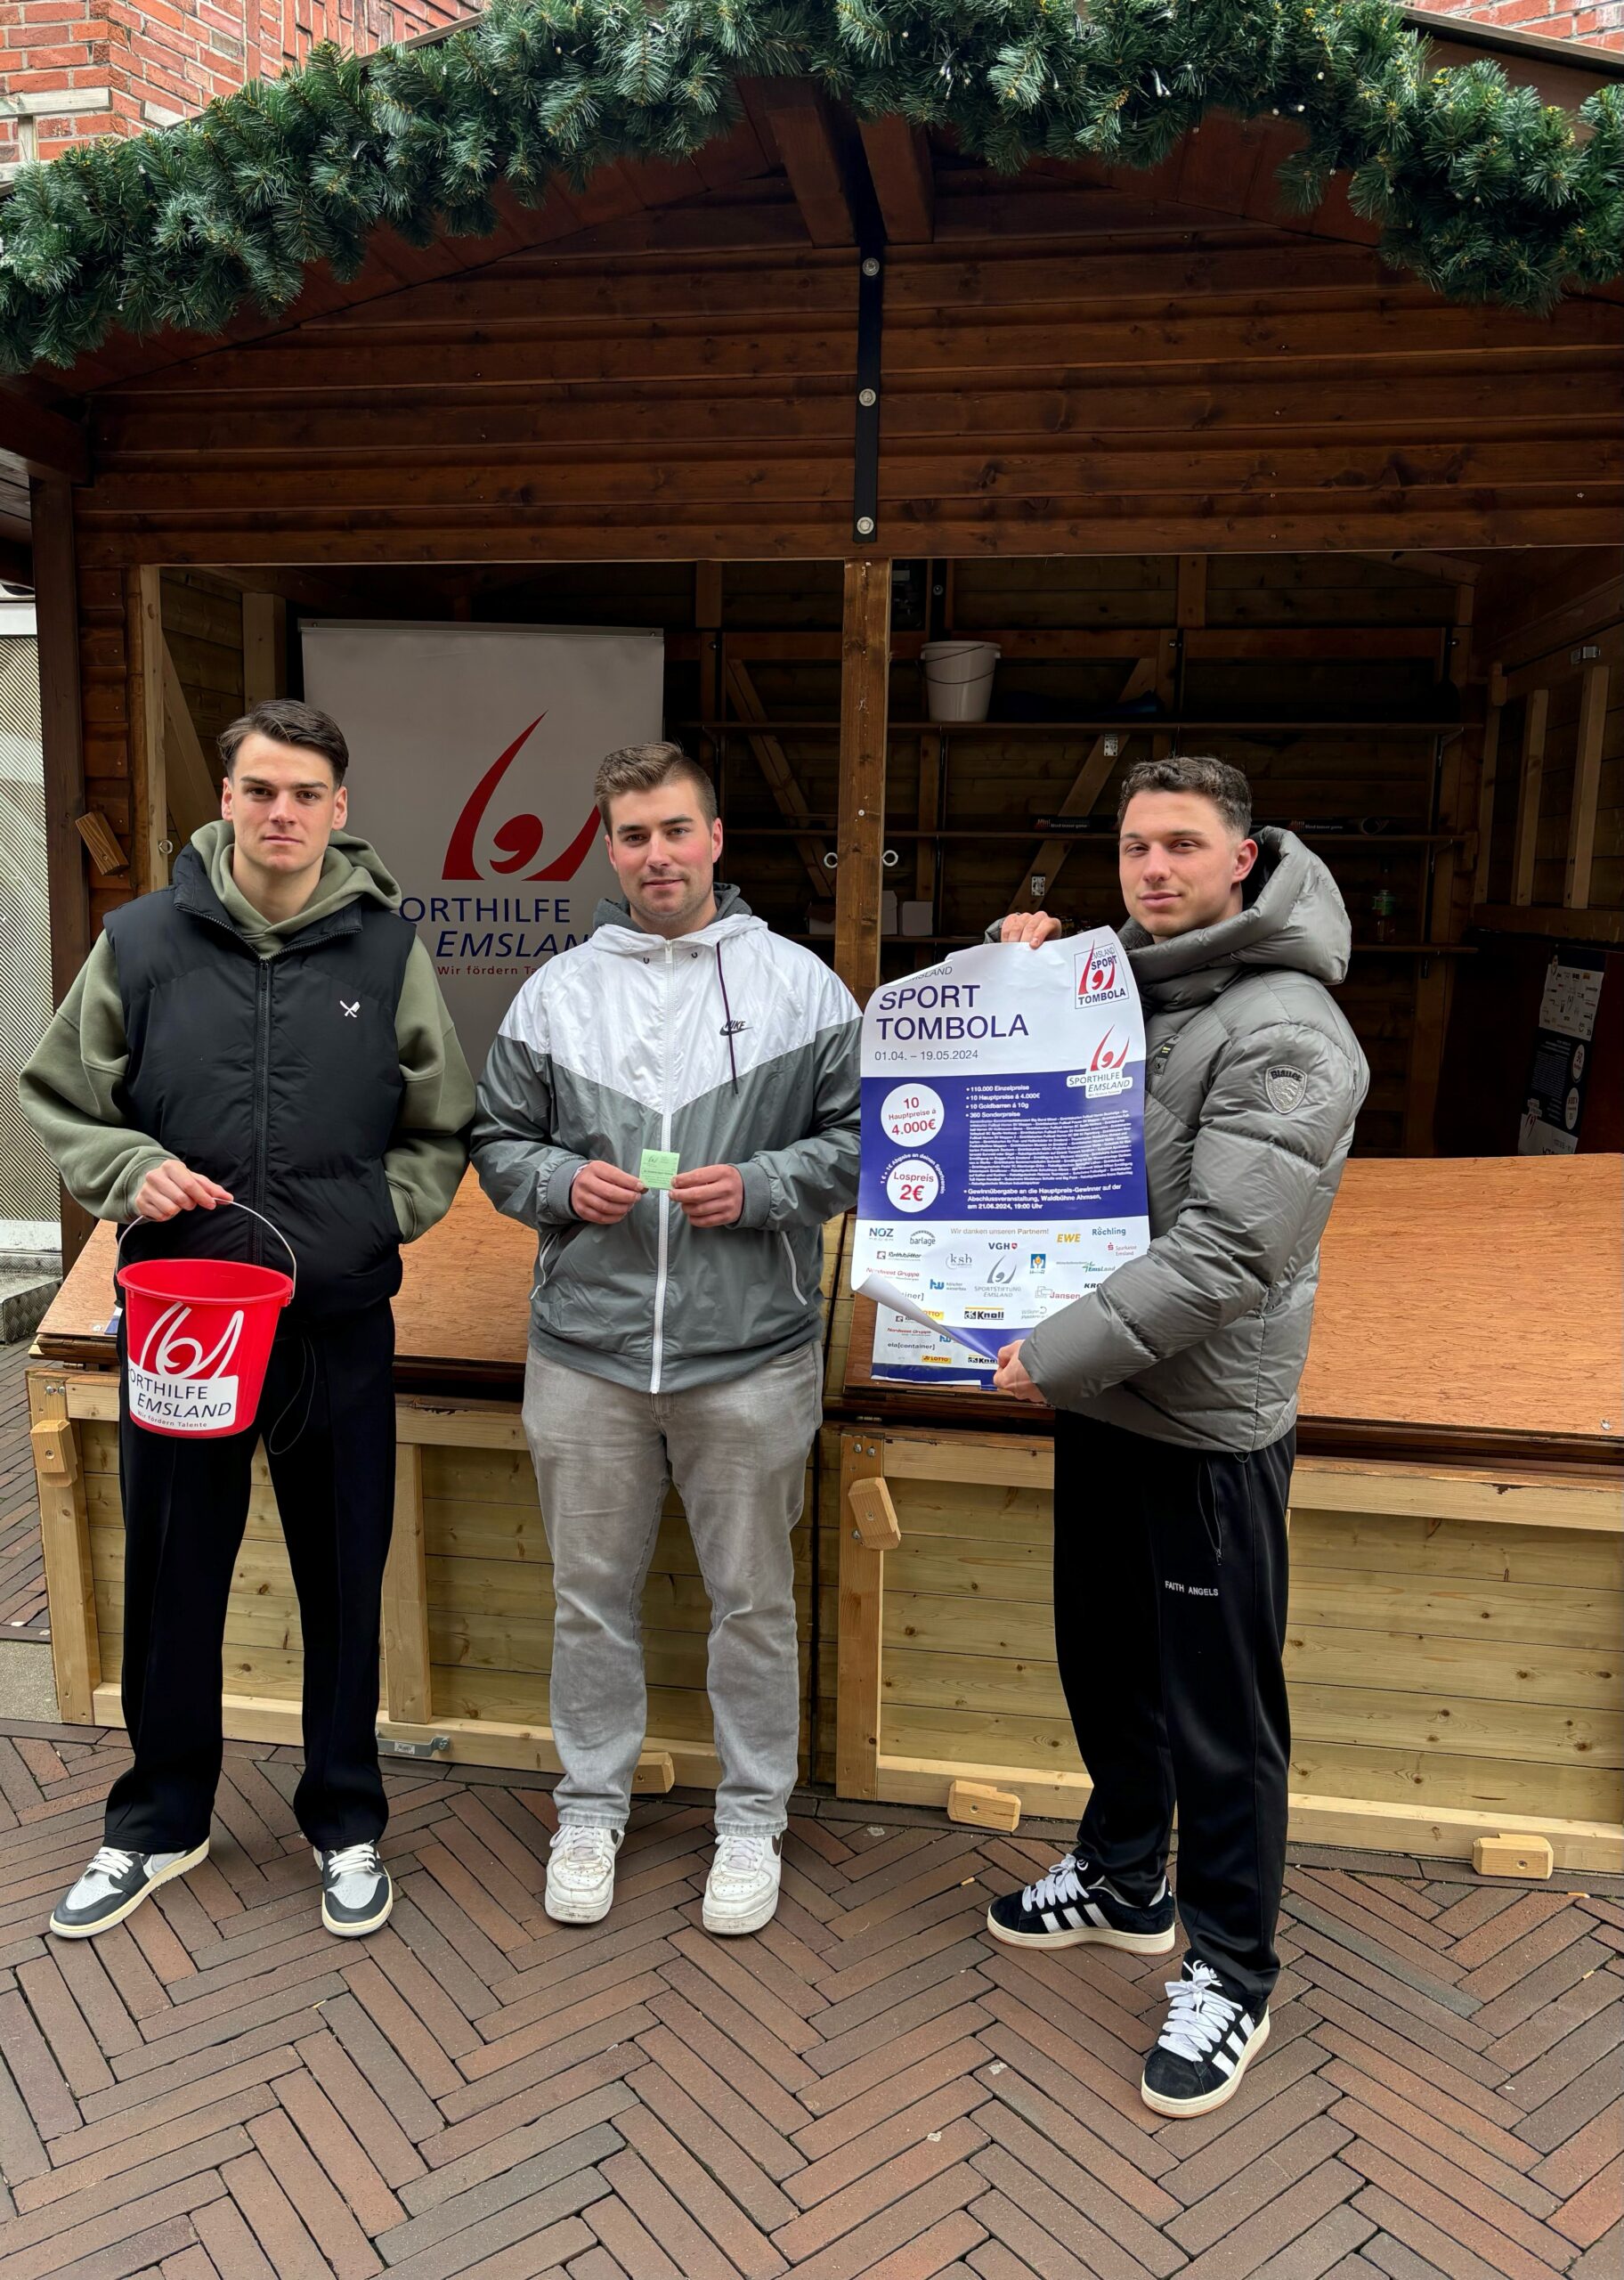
(1003, 1156)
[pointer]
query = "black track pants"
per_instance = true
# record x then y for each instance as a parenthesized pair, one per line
(1170, 1580)
(328, 1417)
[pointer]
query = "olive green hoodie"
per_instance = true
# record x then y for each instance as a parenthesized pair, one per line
(69, 1089)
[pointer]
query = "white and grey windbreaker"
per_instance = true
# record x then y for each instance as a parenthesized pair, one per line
(728, 1047)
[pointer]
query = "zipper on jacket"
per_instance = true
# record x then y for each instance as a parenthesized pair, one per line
(262, 1095)
(657, 1356)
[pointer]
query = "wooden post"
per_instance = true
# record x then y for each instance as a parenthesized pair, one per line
(264, 647)
(707, 625)
(865, 662)
(56, 617)
(1449, 908)
(408, 1682)
(858, 1685)
(1488, 774)
(1536, 707)
(150, 842)
(1587, 785)
(64, 1535)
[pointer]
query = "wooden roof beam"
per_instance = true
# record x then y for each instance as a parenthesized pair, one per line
(804, 132)
(899, 166)
(42, 442)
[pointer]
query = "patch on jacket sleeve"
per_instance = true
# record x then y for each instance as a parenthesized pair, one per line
(1285, 1086)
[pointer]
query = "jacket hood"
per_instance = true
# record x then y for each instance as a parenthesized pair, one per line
(352, 871)
(1295, 918)
(613, 913)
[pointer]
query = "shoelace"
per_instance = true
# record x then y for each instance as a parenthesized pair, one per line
(578, 1839)
(110, 1862)
(743, 1856)
(355, 1860)
(1201, 2016)
(1063, 1884)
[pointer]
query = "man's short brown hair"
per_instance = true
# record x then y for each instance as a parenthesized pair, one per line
(645, 768)
(286, 722)
(1212, 779)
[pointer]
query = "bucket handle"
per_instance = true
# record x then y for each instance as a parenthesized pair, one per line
(233, 1206)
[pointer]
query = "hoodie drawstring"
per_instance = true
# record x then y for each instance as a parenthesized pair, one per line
(733, 1061)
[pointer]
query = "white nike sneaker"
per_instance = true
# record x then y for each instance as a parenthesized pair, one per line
(581, 1872)
(741, 1889)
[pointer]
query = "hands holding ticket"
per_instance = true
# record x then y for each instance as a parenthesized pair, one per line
(713, 1196)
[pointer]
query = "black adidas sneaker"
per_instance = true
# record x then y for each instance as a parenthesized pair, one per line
(1074, 1904)
(1207, 2044)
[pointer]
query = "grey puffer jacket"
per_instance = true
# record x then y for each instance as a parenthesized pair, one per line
(1253, 1081)
(729, 1045)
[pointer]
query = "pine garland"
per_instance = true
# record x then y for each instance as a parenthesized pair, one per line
(1479, 188)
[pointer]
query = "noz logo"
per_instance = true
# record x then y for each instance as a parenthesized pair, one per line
(519, 838)
(1096, 972)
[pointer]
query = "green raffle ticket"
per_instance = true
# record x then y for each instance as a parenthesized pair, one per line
(659, 1167)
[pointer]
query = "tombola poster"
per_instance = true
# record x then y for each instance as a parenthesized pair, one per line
(1003, 1158)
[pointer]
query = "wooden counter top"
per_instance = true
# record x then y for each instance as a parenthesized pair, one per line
(1467, 1304)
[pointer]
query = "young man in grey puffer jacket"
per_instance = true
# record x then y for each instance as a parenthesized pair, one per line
(675, 1318)
(1175, 1388)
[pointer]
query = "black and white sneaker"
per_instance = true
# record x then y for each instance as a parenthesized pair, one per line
(114, 1886)
(356, 1893)
(1074, 1904)
(1207, 2044)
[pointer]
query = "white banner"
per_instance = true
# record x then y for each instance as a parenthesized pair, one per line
(473, 749)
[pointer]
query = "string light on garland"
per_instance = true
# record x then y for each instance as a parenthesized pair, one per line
(184, 226)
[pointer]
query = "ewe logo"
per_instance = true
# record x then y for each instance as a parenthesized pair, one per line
(1096, 972)
(519, 838)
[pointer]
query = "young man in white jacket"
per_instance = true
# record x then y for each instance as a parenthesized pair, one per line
(673, 1106)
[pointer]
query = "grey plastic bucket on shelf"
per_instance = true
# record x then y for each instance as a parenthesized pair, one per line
(959, 679)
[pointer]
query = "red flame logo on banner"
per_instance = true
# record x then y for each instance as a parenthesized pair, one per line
(519, 838)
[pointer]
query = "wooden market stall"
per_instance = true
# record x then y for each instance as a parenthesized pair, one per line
(1213, 476)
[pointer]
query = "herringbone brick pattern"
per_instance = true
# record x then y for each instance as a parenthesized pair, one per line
(870, 2088)
(22, 1566)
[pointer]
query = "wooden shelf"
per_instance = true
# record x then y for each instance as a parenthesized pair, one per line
(1134, 724)
(1365, 842)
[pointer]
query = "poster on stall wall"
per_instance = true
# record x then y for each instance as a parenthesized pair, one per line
(473, 749)
(1003, 1149)
(1563, 1042)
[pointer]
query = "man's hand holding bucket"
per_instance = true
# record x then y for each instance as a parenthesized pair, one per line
(172, 1188)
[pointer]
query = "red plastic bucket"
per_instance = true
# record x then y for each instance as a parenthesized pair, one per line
(197, 1337)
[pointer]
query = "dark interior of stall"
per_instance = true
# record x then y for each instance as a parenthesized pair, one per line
(1446, 732)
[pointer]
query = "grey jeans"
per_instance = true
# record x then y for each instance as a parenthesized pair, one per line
(604, 1456)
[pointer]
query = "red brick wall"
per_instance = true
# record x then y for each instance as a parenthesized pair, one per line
(138, 63)
(1599, 24)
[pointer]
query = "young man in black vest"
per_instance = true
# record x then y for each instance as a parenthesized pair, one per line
(269, 1031)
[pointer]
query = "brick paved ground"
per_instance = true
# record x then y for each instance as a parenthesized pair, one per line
(870, 2088)
(22, 1569)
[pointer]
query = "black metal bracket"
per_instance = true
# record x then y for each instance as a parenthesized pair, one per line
(865, 442)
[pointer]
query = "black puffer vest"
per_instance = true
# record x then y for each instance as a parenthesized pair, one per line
(279, 1078)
